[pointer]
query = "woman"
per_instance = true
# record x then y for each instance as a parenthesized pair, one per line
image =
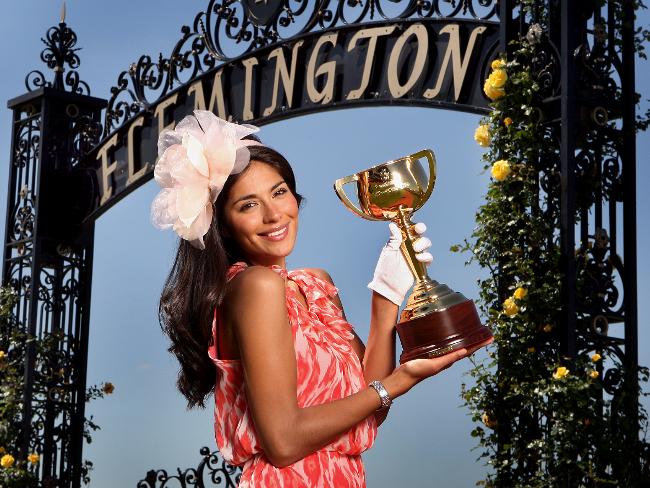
(297, 395)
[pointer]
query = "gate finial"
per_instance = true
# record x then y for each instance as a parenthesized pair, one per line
(59, 55)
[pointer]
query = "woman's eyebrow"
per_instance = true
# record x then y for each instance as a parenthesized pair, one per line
(252, 195)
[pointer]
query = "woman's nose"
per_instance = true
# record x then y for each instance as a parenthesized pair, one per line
(271, 212)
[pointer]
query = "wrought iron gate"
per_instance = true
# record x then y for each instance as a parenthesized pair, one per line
(54, 188)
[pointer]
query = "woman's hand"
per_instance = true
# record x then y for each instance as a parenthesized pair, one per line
(419, 369)
(393, 278)
(412, 372)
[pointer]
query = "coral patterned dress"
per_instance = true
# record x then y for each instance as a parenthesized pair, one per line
(327, 369)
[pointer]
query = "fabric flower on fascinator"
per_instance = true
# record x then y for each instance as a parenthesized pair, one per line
(194, 161)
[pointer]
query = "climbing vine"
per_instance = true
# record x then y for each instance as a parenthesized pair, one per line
(542, 419)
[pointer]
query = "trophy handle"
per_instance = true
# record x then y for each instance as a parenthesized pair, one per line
(427, 153)
(340, 192)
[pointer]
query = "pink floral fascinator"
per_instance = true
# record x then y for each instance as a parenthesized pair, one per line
(194, 161)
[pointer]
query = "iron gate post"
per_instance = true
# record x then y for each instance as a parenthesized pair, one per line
(568, 42)
(47, 254)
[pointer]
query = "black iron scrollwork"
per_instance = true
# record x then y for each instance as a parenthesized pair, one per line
(212, 470)
(545, 62)
(86, 132)
(228, 29)
(59, 52)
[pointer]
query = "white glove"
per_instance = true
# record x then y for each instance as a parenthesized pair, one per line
(393, 277)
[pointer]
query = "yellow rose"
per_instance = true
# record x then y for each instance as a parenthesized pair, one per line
(489, 423)
(510, 307)
(531, 349)
(498, 64)
(491, 91)
(2, 354)
(33, 458)
(594, 374)
(498, 78)
(108, 388)
(487, 86)
(520, 293)
(7, 461)
(501, 170)
(548, 328)
(560, 373)
(482, 135)
(595, 358)
(507, 121)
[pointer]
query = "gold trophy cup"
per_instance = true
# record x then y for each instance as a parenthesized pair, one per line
(436, 320)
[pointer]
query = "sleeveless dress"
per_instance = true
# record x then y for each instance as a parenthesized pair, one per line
(327, 369)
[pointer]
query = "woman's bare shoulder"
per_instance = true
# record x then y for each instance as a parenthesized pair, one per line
(253, 281)
(249, 295)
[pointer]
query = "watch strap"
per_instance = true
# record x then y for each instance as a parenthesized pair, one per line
(381, 391)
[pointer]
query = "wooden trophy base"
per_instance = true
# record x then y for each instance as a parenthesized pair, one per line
(441, 332)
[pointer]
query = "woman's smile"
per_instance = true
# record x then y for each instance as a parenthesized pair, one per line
(277, 234)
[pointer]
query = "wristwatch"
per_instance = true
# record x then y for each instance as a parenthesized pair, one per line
(383, 394)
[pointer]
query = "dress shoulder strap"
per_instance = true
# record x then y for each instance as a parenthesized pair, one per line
(235, 269)
(240, 266)
(309, 280)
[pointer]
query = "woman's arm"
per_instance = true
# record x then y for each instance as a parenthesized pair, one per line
(257, 311)
(378, 357)
(256, 308)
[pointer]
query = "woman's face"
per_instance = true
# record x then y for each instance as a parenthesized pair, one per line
(261, 215)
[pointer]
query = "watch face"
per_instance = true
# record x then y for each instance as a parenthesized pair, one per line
(262, 12)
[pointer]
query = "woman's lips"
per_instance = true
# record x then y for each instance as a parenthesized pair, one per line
(277, 235)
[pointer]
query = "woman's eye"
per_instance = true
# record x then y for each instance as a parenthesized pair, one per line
(246, 206)
(280, 191)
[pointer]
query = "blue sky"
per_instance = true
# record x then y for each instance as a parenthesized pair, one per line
(144, 423)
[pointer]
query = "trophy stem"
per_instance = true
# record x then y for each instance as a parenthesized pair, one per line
(427, 295)
(418, 269)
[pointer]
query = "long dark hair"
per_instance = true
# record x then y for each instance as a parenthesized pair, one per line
(196, 285)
